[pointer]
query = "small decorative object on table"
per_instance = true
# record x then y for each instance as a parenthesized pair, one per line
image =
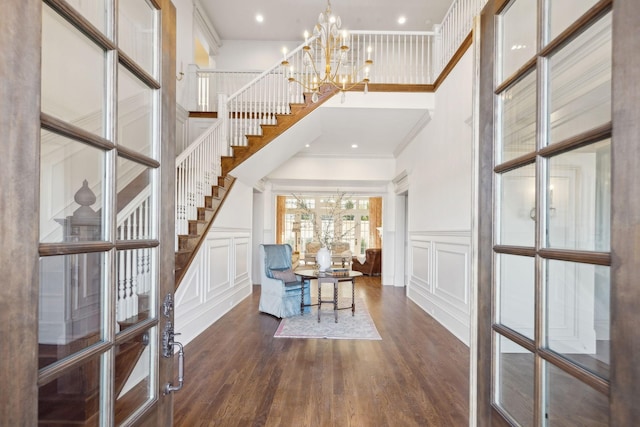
(338, 272)
(323, 258)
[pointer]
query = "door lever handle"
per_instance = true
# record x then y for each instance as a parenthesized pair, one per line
(170, 388)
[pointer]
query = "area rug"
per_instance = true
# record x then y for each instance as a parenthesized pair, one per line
(357, 327)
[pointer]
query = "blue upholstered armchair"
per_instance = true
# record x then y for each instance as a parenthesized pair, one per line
(281, 287)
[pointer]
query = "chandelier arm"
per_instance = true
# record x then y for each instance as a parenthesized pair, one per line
(315, 71)
(338, 65)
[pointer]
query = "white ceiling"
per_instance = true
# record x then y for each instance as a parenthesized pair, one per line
(286, 20)
(379, 123)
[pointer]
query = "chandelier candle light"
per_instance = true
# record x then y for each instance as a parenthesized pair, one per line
(326, 55)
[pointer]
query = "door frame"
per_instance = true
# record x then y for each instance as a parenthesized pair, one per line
(19, 222)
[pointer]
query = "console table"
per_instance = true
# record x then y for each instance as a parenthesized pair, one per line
(322, 277)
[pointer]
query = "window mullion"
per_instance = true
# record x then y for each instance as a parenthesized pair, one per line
(109, 289)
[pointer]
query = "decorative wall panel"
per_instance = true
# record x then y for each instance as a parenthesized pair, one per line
(439, 279)
(217, 280)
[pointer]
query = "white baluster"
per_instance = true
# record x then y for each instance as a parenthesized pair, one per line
(133, 304)
(121, 311)
(129, 272)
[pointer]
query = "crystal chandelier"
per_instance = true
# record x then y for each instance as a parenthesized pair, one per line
(326, 59)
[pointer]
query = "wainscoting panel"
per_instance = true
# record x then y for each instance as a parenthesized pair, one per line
(242, 259)
(219, 254)
(439, 277)
(452, 273)
(420, 255)
(217, 280)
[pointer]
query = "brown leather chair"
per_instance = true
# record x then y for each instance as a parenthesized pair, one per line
(372, 263)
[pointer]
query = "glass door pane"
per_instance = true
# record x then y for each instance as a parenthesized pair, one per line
(578, 198)
(578, 315)
(517, 206)
(515, 381)
(72, 398)
(71, 60)
(518, 126)
(516, 286)
(518, 41)
(98, 213)
(580, 83)
(570, 402)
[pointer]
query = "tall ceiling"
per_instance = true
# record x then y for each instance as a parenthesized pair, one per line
(286, 20)
(378, 123)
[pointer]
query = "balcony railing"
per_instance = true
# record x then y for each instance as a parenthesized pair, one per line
(455, 27)
(399, 57)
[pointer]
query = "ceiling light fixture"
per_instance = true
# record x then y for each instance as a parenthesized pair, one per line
(325, 59)
(402, 20)
(354, 145)
(259, 18)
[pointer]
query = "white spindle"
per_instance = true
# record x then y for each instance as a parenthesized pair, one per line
(197, 169)
(121, 305)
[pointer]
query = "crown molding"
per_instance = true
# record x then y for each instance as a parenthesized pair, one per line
(202, 22)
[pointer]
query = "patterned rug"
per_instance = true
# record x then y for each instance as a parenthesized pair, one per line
(357, 327)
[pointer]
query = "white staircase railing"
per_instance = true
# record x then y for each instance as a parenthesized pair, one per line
(134, 273)
(454, 28)
(211, 83)
(398, 57)
(197, 170)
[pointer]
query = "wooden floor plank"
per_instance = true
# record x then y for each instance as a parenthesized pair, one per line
(239, 375)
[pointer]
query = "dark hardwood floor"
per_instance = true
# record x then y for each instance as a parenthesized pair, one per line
(237, 374)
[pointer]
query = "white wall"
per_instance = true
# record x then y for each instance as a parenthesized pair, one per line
(245, 55)
(438, 168)
(184, 46)
(220, 275)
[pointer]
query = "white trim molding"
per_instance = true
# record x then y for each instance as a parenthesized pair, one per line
(203, 23)
(439, 277)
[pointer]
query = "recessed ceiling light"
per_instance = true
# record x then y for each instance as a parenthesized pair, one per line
(354, 145)
(259, 18)
(402, 20)
(307, 145)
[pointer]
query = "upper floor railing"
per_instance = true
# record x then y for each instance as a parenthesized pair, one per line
(398, 57)
(455, 27)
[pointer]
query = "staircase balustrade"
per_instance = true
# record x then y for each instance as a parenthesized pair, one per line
(133, 269)
(197, 170)
(399, 58)
(456, 25)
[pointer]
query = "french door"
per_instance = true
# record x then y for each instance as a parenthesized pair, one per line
(549, 285)
(103, 231)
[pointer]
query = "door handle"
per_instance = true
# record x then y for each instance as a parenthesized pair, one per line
(169, 387)
(168, 344)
